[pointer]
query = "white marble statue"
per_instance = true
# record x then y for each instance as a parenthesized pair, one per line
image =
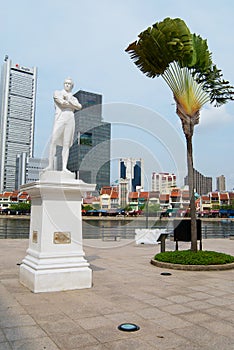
(64, 123)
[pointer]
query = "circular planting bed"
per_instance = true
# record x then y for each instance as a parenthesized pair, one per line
(194, 261)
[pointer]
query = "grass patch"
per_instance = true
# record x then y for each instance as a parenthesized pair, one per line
(187, 257)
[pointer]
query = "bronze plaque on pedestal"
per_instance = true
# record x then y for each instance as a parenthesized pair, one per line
(35, 236)
(62, 237)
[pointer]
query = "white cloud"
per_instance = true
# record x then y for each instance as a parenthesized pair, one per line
(213, 117)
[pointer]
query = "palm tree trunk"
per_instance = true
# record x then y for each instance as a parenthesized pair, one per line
(191, 192)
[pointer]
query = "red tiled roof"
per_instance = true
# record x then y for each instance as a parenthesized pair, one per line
(175, 193)
(114, 195)
(164, 197)
(106, 190)
(214, 195)
(14, 196)
(205, 198)
(7, 194)
(223, 196)
(231, 195)
(133, 195)
(144, 195)
(23, 196)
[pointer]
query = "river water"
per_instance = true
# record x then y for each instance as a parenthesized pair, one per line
(19, 228)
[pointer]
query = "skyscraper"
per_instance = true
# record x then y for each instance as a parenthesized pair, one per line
(17, 114)
(89, 155)
(221, 183)
(132, 170)
(202, 184)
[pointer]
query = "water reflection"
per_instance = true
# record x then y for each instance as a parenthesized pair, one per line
(124, 228)
(14, 228)
(19, 228)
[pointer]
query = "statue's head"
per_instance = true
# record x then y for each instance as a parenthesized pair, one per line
(68, 84)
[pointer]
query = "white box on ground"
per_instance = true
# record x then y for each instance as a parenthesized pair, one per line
(148, 236)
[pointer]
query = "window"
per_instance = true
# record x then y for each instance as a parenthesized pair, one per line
(86, 139)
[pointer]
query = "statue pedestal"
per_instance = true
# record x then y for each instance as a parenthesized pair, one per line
(55, 257)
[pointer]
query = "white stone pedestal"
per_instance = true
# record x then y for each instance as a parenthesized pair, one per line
(55, 257)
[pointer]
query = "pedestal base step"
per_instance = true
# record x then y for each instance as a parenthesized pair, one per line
(54, 280)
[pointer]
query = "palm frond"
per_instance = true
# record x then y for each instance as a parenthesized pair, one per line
(171, 41)
(201, 57)
(160, 45)
(186, 91)
(219, 90)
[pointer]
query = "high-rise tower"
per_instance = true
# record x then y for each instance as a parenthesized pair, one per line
(132, 170)
(202, 184)
(221, 183)
(17, 114)
(89, 155)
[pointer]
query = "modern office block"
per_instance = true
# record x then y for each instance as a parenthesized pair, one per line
(202, 184)
(89, 155)
(132, 170)
(221, 183)
(17, 114)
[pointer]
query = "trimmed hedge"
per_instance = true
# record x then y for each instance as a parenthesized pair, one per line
(188, 257)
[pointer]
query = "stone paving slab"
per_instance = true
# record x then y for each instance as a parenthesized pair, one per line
(189, 310)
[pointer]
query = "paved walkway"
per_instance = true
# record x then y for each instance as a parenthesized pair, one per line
(188, 310)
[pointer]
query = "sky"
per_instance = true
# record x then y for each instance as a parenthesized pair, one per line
(86, 40)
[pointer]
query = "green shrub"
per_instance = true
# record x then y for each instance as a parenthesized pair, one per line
(187, 257)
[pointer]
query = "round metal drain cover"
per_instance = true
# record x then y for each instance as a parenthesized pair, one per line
(128, 327)
(166, 274)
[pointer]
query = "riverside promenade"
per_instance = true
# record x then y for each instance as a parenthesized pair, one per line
(187, 310)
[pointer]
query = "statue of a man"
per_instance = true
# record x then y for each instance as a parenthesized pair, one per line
(64, 123)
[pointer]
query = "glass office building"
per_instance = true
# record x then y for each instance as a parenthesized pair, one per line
(89, 155)
(132, 170)
(17, 114)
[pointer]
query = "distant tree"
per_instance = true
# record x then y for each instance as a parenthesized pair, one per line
(21, 207)
(96, 206)
(182, 59)
(128, 208)
(87, 207)
(153, 208)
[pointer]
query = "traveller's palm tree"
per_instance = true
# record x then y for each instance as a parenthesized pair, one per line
(168, 49)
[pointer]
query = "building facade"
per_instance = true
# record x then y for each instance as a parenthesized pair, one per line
(28, 169)
(132, 170)
(89, 155)
(17, 114)
(15, 197)
(221, 183)
(202, 184)
(163, 182)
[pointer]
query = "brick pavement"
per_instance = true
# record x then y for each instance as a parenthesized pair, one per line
(188, 310)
